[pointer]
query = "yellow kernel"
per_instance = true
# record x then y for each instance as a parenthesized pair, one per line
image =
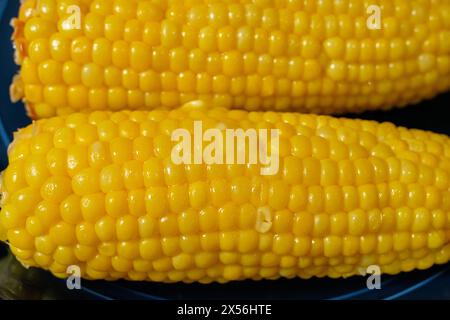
(86, 182)
(283, 243)
(150, 249)
(92, 75)
(93, 206)
(71, 210)
(63, 234)
(334, 47)
(170, 34)
(56, 188)
(421, 220)
(278, 195)
(85, 233)
(126, 228)
(357, 222)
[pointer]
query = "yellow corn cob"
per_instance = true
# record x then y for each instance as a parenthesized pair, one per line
(303, 55)
(102, 191)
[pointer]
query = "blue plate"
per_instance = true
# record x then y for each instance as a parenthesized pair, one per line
(433, 283)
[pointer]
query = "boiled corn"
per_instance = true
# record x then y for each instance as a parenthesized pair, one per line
(101, 191)
(303, 55)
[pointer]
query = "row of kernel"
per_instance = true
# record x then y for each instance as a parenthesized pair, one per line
(315, 104)
(82, 49)
(304, 78)
(114, 24)
(99, 228)
(235, 272)
(277, 253)
(236, 11)
(238, 75)
(325, 127)
(299, 90)
(387, 249)
(185, 261)
(246, 40)
(268, 15)
(171, 33)
(78, 97)
(179, 197)
(318, 199)
(312, 172)
(222, 234)
(275, 245)
(210, 86)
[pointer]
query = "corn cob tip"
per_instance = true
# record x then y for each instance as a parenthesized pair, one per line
(18, 40)
(16, 91)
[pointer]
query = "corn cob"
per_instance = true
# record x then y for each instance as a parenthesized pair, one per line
(302, 55)
(102, 191)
